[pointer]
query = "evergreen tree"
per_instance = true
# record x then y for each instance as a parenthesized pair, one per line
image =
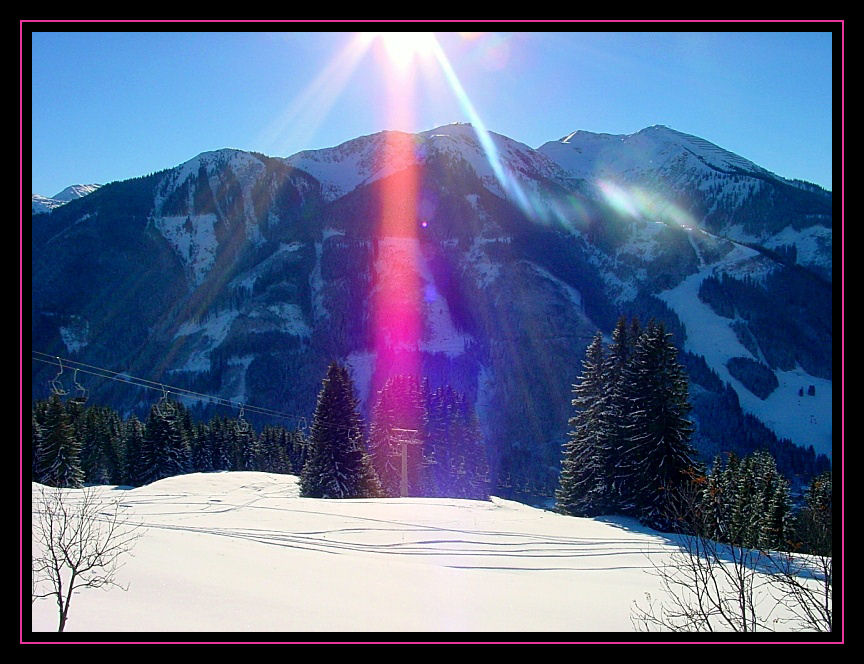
(98, 455)
(586, 469)
(718, 499)
(217, 441)
(273, 446)
(201, 453)
(813, 523)
(338, 465)
(35, 445)
(437, 432)
(59, 462)
(746, 503)
(621, 393)
(133, 437)
(776, 527)
(164, 448)
(659, 459)
(247, 446)
(472, 479)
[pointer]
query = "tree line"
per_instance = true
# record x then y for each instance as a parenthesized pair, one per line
(73, 444)
(338, 457)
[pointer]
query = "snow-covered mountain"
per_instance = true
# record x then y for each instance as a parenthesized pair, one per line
(43, 204)
(711, 188)
(243, 275)
(364, 160)
(589, 155)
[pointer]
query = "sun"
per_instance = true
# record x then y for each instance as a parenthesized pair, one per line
(402, 48)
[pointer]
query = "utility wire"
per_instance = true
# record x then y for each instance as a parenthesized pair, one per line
(127, 379)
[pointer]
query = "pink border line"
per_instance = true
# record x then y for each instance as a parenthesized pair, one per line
(439, 21)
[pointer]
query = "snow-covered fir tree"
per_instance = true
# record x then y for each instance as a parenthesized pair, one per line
(584, 483)
(629, 447)
(746, 503)
(36, 435)
(164, 448)
(813, 523)
(659, 458)
(59, 462)
(338, 465)
(620, 396)
(133, 438)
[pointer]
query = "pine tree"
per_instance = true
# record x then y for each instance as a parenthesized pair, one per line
(586, 469)
(220, 444)
(717, 500)
(338, 465)
(164, 448)
(437, 432)
(272, 454)
(473, 477)
(133, 437)
(59, 462)
(36, 444)
(620, 396)
(746, 503)
(247, 446)
(659, 459)
(776, 525)
(98, 456)
(201, 453)
(813, 523)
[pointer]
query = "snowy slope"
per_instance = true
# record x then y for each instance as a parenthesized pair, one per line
(587, 155)
(193, 236)
(364, 160)
(804, 420)
(241, 552)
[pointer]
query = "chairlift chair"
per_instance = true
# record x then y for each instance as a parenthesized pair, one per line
(243, 427)
(81, 397)
(163, 406)
(56, 385)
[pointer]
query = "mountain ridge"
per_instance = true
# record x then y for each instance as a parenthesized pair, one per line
(235, 272)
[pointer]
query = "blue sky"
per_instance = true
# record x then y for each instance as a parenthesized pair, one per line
(113, 105)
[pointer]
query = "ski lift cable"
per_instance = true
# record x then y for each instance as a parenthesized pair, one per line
(128, 379)
(125, 377)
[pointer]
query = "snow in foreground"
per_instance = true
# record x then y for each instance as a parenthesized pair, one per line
(241, 551)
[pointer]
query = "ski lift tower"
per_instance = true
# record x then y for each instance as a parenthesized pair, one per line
(405, 437)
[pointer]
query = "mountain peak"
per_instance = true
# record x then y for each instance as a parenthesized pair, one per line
(40, 204)
(75, 191)
(589, 155)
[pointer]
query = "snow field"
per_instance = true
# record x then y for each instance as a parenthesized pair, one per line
(242, 552)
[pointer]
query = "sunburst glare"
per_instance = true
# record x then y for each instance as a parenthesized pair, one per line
(402, 48)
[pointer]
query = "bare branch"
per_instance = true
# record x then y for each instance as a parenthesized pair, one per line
(79, 541)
